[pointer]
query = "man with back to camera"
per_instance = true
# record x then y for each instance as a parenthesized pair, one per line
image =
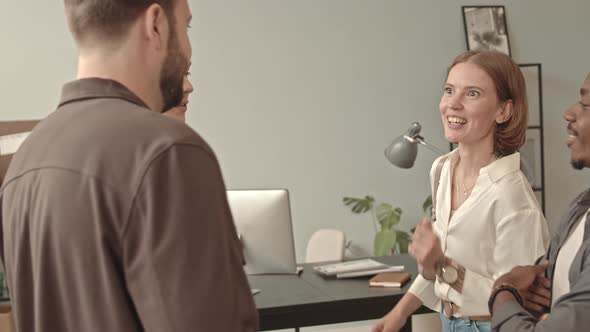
(563, 294)
(114, 217)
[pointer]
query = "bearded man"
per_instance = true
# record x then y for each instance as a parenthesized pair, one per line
(115, 217)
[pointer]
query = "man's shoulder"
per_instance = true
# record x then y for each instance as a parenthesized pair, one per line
(153, 135)
(148, 134)
(112, 139)
(115, 121)
(174, 132)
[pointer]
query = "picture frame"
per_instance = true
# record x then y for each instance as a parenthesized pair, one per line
(486, 28)
(532, 77)
(539, 196)
(531, 161)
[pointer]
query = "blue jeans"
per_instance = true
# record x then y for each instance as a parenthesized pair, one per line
(455, 324)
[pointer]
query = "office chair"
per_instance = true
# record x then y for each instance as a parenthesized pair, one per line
(325, 245)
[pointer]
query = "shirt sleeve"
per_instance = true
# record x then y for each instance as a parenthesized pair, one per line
(570, 312)
(182, 258)
(512, 248)
(424, 290)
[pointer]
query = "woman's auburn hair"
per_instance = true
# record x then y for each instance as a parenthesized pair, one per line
(508, 79)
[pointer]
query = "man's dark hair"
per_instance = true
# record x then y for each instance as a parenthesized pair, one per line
(108, 20)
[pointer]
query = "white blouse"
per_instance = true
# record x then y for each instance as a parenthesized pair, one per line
(500, 225)
(565, 257)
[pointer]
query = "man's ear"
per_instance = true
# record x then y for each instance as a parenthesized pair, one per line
(506, 112)
(156, 26)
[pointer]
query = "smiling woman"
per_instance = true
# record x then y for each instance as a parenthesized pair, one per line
(485, 203)
(488, 89)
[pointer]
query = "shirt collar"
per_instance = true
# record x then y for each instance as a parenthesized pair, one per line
(501, 167)
(584, 199)
(91, 88)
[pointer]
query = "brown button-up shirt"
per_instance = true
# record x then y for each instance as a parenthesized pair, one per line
(115, 218)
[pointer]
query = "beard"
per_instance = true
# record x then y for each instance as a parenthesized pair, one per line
(172, 74)
(577, 164)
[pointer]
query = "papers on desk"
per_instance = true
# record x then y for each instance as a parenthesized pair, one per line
(357, 268)
(397, 268)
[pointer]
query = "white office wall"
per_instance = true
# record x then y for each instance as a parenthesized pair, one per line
(305, 95)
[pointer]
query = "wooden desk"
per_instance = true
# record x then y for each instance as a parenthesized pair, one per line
(310, 299)
(6, 319)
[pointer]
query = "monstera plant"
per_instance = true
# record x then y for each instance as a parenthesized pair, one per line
(385, 219)
(427, 205)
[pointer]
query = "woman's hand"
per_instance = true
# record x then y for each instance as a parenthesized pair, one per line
(392, 322)
(397, 317)
(425, 247)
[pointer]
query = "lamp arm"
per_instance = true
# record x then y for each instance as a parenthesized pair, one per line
(420, 140)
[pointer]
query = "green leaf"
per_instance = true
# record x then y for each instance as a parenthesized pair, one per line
(403, 241)
(359, 205)
(384, 242)
(388, 216)
(427, 205)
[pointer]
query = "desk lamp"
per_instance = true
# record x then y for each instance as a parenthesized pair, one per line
(404, 148)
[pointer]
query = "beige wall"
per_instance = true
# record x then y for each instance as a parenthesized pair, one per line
(306, 94)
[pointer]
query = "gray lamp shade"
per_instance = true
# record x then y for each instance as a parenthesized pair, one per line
(402, 152)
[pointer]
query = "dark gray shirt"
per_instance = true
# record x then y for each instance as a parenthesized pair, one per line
(115, 218)
(571, 312)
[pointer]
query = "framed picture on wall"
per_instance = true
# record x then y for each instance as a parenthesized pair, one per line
(485, 28)
(532, 77)
(530, 155)
(539, 196)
